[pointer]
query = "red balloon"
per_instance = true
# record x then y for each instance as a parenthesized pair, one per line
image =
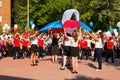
(15, 30)
(71, 24)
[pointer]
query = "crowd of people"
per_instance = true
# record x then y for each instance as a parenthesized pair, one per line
(78, 45)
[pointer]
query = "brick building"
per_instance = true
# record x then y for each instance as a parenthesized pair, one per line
(5, 12)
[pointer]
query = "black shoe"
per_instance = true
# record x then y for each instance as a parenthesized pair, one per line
(112, 61)
(32, 64)
(73, 72)
(76, 72)
(14, 58)
(35, 64)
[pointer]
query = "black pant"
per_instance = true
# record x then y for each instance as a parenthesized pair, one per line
(17, 51)
(118, 53)
(84, 53)
(110, 54)
(98, 55)
(40, 50)
(25, 52)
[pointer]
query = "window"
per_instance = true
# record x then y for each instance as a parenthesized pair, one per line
(0, 18)
(0, 3)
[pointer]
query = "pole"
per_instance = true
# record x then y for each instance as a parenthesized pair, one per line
(27, 14)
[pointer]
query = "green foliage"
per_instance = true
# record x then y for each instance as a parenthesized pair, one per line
(1, 30)
(103, 13)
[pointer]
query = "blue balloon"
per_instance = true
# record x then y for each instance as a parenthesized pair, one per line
(119, 28)
(111, 30)
(85, 27)
(31, 23)
(91, 23)
(52, 25)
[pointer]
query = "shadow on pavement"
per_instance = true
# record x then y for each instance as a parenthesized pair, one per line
(84, 78)
(92, 65)
(12, 78)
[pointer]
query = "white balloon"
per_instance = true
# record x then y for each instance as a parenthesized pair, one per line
(115, 30)
(8, 27)
(68, 14)
(5, 24)
(33, 26)
(116, 34)
(118, 24)
(15, 26)
(3, 28)
(108, 34)
(3, 31)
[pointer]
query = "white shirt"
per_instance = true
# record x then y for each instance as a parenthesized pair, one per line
(98, 44)
(73, 43)
(34, 41)
(89, 41)
(68, 41)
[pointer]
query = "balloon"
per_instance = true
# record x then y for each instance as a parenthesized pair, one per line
(111, 30)
(116, 34)
(118, 24)
(33, 26)
(119, 28)
(31, 23)
(115, 30)
(15, 26)
(71, 24)
(15, 30)
(91, 24)
(3, 28)
(8, 27)
(108, 34)
(68, 14)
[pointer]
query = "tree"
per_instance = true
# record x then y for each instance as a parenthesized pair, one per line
(41, 11)
(103, 13)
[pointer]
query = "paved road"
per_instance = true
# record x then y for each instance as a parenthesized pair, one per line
(20, 69)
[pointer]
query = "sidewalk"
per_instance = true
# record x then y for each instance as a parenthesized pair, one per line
(20, 69)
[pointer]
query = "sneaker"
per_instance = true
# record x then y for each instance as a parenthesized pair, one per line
(98, 69)
(62, 68)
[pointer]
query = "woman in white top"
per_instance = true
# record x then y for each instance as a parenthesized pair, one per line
(34, 49)
(98, 48)
(66, 49)
(74, 51)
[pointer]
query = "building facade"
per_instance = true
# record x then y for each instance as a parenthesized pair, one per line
(5, 12)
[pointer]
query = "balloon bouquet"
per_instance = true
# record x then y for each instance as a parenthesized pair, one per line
(6, 29)
(32, 25)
